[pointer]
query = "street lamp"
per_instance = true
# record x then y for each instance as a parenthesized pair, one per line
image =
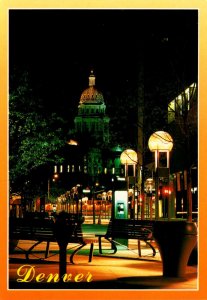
(129, 158)
(161, 143)
(174, 238)
(54, 178)
(149, 185)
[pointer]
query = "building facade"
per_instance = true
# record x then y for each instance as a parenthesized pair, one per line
(183, 126)
(92, 119)
(90, 159)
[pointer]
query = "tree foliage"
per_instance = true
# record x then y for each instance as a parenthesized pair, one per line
(35, 134)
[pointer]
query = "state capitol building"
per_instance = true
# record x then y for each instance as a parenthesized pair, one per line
(88, 158)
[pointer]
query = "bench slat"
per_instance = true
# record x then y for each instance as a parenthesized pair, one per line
(127, 229)
(43, 230)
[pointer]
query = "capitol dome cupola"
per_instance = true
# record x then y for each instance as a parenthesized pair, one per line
(92, 118)
(91, 94)
(92, 79)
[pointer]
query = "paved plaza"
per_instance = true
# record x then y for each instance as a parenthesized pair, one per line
(123, 270)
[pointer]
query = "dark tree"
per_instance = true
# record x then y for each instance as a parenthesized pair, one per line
(35, 135)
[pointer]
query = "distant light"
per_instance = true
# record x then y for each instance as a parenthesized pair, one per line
(86, 191)
(73, 143)
(165, 39)
(121, 179)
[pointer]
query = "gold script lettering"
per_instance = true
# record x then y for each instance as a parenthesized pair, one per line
(27, 272)
(51, 276)
(40, 277)
(67, 277)
(89, 277)
(78, 277)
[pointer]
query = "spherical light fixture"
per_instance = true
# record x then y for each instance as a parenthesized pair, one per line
(160, 141)
(128, 157)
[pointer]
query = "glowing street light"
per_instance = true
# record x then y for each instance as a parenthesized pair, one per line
(129, 158)
(161, 143)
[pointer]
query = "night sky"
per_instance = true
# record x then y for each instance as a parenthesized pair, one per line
(60, 47)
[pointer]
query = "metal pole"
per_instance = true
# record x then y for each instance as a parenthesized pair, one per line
(94, 216)
(48, 189)
(156, 195)
(142, 195)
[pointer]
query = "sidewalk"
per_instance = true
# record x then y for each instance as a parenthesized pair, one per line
(124, 270)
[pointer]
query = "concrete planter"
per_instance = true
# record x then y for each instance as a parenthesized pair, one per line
(175, 240)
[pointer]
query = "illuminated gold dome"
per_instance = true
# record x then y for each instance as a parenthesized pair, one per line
(91, 94)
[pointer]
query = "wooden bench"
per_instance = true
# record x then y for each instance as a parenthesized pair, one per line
(41, 230)
(140, 230)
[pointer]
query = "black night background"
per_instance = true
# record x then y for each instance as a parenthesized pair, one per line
(128, 50)
(59, 48)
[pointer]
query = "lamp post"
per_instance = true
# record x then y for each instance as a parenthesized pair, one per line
(149, 185)
(129, 158)
(175, 238)
(54, 178)
(161, 143)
